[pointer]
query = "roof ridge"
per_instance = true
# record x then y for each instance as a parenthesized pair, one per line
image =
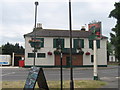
(64, 30)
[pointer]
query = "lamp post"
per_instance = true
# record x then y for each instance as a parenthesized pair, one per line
(61, 69)
(60, 50)
(71, 69)
(36, 4)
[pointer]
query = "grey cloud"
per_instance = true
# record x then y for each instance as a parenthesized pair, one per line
(52, 15)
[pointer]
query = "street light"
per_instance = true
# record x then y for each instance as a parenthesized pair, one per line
(60, 50)
(71, 69)
(35, 50)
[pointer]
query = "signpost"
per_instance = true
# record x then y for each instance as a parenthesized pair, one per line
(95, 73)
(95, 61)
(95, 28)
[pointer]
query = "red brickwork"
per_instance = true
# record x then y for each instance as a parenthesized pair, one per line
(76, 59)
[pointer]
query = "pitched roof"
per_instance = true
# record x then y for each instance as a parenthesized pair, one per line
(58, 33)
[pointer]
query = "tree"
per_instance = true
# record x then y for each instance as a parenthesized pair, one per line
(10, 48)
(115, 37)
(7, 48)
(109, 49)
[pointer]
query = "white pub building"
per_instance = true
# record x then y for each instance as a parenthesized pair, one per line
(50, 39)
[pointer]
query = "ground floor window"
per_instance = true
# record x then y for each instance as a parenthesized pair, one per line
(92, 58)
(31, 55)
(41, 55)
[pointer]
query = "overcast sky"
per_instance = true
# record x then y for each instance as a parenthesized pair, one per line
(17, 16)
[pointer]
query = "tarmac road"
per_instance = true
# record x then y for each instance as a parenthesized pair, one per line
(109, 74)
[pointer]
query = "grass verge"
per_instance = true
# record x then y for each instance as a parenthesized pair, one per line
(56, 84)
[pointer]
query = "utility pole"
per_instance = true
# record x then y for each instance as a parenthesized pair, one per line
(71, 68)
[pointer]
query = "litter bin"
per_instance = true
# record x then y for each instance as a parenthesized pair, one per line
(21, 63)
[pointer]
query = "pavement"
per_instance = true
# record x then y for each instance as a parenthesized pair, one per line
(112, 82)
(109, 66)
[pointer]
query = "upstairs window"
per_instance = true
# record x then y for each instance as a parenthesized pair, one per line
(57, 42)
(91, 43)
(78, 43)
(98, 43)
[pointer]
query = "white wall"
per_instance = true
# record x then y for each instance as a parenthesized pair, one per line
(112, 58)
(101, 53)
(87, 58)
(48, 46)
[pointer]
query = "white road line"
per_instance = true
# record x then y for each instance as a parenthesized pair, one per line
(118, 77)
(63, 73)
(83, 78)
(8, 74)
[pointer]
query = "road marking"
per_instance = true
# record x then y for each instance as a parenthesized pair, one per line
(8, 74)
(83, 79)
(63, 73)
(118, 77)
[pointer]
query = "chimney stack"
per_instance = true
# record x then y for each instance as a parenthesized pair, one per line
(39, 25)
(83, 28)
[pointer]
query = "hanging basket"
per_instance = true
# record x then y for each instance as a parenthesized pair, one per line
(56, 52)
(49, 53)
(81, 52)
(35, 43)
(87, 53)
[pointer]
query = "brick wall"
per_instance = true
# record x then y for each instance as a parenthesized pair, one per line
(76, 59)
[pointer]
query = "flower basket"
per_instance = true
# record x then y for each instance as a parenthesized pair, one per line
(56, 52)
(49, 53)
(35, 43)
(81, 52)
(87, 53)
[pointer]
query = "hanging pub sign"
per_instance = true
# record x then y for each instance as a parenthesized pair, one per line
(36, 43)
(95, 28)
(36, 74)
